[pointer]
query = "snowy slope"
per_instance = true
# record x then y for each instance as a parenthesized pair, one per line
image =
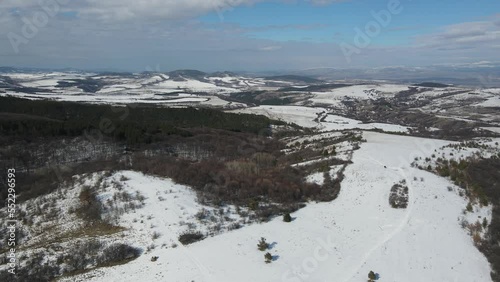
(334, 122)
(342, 240)
(302, 116)
(315, 117)
(356, 92)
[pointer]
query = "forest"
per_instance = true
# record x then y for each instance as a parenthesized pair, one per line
(227, 158)
(133, 124)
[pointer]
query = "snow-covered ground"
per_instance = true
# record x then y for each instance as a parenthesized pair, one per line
(316, 117)
(491, 102)
(169, 210)
(338, 241)
(191, 85)
(302, 116)
(492, 129)
(357, 92)
(152, 88)
(461, 151)
(334, 122)
(312, 138)
(319, 177)
(130, 97)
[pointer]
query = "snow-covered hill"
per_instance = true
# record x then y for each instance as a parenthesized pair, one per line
(175, 88)
(197, 88)
(338, 241)
(394, 215)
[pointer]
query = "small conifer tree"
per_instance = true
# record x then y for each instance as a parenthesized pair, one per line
(469, 207)
(371, 276)
(263, 245)
(268, 257)
(287, 217)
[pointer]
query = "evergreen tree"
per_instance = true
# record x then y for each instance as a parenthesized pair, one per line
(287, 217)
(268, 257)
(263, 245)
(371, 276)
(469, 207)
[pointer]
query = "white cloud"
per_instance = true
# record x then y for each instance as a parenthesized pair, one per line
(270, 48)
(121, 10)
(137, 34)
(463, 35)
(118, 10)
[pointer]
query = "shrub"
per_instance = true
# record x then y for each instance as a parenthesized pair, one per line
(372, 276)
(287, 217)
(118, 252)
(43, 272)
(191, 237)
(263, 245)
(90, 206)
(398, 197)
(476, 237)
(155, 235)
(268, 257)
(202, 214)
(469, 207)
(253, 204)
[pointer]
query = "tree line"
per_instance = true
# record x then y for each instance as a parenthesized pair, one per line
(132, 124)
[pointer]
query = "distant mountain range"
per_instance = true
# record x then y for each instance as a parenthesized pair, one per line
(485, 74)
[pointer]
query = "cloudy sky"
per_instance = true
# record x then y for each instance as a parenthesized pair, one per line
(246, 35)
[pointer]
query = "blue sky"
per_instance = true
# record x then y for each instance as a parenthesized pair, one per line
(245, 34)
(336, 22)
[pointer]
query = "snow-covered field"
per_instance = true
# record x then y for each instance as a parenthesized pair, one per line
(315, 117)
(462, 151)
(338, 241)
(181, 99)
(117, 89)
(491, 102)
(357, 92)
(215, 91)
(333, 122)
(302, 116)
(492, 129)
(191, 85)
